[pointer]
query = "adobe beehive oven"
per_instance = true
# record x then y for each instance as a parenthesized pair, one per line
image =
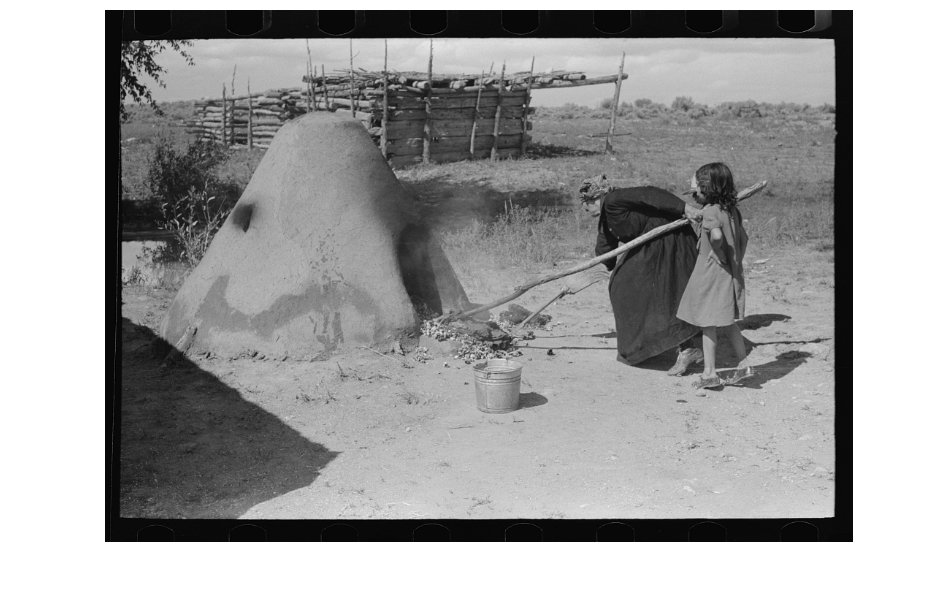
(322, 251)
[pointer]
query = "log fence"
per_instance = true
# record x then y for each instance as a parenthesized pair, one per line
(412, 117)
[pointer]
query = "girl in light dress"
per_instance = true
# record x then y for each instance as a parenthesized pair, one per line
(715, 296)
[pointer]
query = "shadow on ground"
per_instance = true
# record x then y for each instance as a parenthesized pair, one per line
(725, 357)
(544, 150)
(555, 348)
(753, 322)
(783, 364)
(531, 399)
(192, 447)
(761, 320)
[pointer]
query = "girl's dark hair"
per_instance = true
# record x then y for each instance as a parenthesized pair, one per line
(715, 181)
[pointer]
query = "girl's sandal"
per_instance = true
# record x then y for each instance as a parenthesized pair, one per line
(738, 375)
(710, 383)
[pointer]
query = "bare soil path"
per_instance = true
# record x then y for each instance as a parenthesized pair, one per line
(362, 436)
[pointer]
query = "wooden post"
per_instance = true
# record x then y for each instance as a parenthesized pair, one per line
(383, 143)
(325, 86)
(527, 102)
(608, 148)
(310, 82)
(224, 139)
(498, 116)
(232, 122)
(250, 118)
(353, 112)
(472, 137)
(426, 140)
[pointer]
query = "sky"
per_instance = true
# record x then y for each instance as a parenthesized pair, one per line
(708, 70)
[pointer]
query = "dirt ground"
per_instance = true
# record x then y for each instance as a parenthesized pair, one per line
(366, 436)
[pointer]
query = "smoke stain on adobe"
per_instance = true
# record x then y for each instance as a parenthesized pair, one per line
(323, 301)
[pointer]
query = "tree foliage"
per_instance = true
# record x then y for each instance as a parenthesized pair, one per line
(138, 60)
(194, 199)
(683, 103)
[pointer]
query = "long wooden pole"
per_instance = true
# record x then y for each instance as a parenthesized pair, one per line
(493, 155)
(224, 107)
(527, 102)
(426, 140)
(472, 137)
(608, 148)
(654, 233)
(585, 82)
(353, 112)
(383, 143)
(250, 118)
(325, 86)
(310, 82)
(232, 122)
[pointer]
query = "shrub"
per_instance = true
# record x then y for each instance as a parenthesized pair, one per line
(683, 103)
(194, 219)
(172, 172)
(193, 199)
(698, 111)
(642, 103)
(624, 109)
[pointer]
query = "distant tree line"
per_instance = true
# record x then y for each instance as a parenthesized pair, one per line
(646, 108)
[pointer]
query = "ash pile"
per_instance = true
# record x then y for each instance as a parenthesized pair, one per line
(473, 340)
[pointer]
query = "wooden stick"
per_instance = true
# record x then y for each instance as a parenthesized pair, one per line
(586, 82)
(232, 121)
(325, 87)
(566, 290)
(426, 144)
(520, 290)
(383, 144)
(556, 298)
(527, 102)
(401, 362)
(353, 113)
(250, 120)
(608, 148)
(224, 140)
(472, 137)
(498, 114)
(310, 83)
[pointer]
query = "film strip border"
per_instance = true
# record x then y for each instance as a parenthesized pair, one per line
(693, 530)
(180, 24)
(485, 24)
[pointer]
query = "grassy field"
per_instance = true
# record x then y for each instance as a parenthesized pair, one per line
(792, 148)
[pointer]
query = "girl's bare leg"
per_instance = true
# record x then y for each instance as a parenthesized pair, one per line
(710, 352)
(739, 345)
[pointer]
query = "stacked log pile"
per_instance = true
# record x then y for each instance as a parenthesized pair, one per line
(467, 116)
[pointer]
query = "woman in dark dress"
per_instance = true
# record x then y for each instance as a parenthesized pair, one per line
(649, 281)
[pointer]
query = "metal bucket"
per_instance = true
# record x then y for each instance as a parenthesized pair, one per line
(498, 385)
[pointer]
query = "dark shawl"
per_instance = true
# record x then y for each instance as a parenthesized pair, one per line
(647, 287)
